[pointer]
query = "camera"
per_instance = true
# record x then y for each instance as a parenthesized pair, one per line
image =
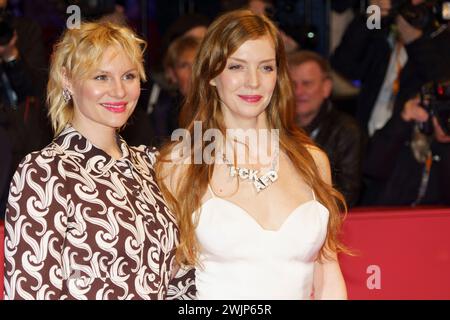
(427, 16)
(6, 28)
(435, 98)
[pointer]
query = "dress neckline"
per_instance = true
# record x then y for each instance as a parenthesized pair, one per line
(249, 217)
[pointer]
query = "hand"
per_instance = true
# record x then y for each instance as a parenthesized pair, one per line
(407, 32)
(9, 52)
(413, 111)
(384, 5)
(439, 133)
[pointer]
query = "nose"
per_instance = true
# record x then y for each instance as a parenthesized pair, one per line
(299, 89)
(252, 78)
(118, 89)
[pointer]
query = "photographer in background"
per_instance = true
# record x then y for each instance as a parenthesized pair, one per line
(22, 87)
(393, 62)
(409, 159)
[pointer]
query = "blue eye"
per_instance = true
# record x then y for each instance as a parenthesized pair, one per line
(130, 76)
(101, 77)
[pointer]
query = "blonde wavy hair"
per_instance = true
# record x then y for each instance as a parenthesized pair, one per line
(223, 38)
(78, 53)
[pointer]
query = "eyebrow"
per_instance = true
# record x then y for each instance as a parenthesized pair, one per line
(108, 72)
(262, 61)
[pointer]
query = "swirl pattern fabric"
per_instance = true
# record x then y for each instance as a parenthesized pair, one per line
(81, 225)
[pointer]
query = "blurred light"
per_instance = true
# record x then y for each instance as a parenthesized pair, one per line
(446, 10)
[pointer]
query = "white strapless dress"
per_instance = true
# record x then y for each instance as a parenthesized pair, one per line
(241, 260)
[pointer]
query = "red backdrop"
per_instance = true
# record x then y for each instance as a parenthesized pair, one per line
(407, 250)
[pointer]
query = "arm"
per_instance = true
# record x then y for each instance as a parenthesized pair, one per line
(357, 48)
(387, 143)
(348, 56)
(35, 227)
(328, 282)
(427, 54)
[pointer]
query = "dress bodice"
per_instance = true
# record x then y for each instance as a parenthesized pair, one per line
(239, 259)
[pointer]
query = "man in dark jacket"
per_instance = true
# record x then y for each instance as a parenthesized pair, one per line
(335, 132)
(387, 62)
(405, 166)
(402, 166)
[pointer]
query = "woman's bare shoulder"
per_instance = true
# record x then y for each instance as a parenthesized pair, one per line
(321, 161)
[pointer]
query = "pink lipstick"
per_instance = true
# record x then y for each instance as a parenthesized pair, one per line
(116, 107)
(250, 98)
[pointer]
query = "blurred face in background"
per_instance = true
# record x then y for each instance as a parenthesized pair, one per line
(196, 32)
(386, 5)
(311, 89)
(290, 44)
(265, 7)
(260, 6)
(182, 71)
(118, 16)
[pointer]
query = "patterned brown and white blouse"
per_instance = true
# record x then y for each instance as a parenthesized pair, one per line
(81, 225)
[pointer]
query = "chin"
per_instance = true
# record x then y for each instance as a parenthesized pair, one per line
(252, 114)
(304, 110)
(117, 124)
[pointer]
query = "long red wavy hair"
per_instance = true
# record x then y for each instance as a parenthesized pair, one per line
(223, 38)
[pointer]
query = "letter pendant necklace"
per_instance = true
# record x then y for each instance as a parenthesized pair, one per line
(259, 182)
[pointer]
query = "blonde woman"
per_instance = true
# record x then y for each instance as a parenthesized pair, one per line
(253, 229)
(85, 218)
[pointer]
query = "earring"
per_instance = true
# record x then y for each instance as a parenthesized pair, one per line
(66, 95)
